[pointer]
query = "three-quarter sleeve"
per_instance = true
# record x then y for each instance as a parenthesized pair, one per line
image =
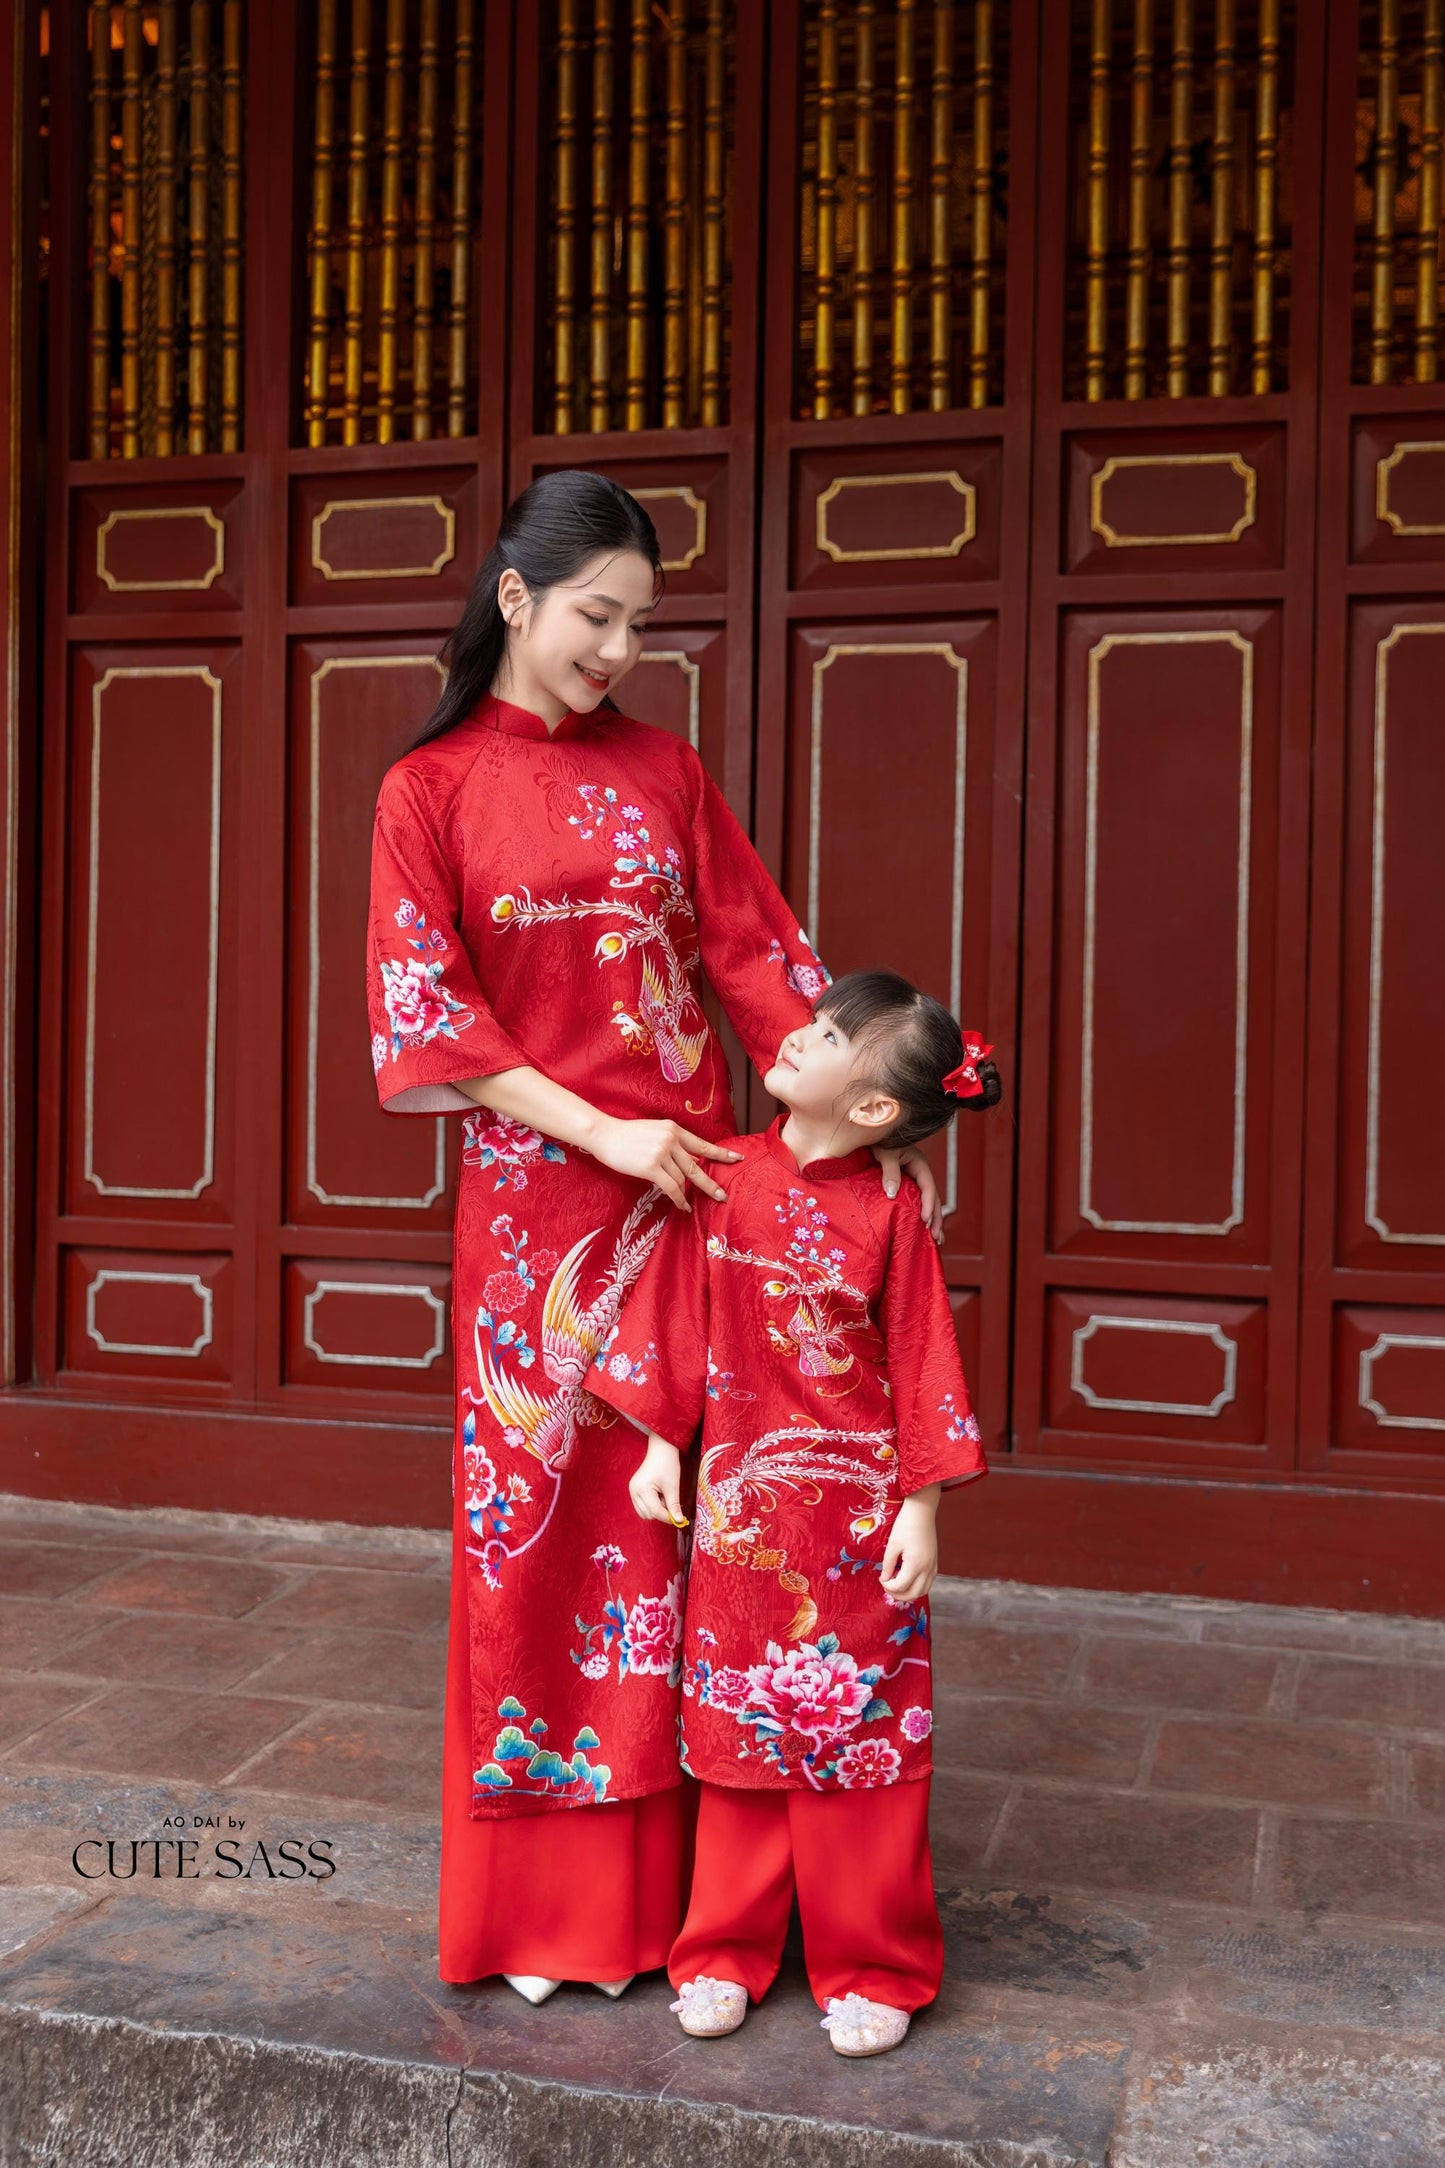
(938, 1435)
(430, 1022)
(653, 1368)
(756, 955)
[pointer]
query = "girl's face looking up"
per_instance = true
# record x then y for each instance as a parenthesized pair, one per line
(818, 1076)
(573, 644)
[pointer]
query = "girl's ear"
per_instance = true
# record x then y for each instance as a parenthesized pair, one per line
(876, 1111)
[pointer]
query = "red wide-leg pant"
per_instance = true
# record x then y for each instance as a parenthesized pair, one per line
(582, 1893)
(861, 1866)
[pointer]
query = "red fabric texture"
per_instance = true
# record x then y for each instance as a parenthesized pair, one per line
(861, 1867)
(554, 902)
(566, 1896)
(805, 1321)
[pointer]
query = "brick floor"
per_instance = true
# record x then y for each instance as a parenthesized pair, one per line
(1242, 1809)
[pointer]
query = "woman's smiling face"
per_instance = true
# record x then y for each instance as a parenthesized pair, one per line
(572, 645)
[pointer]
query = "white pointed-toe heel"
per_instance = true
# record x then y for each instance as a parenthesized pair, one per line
(615, 1987)
(708, 2008)
(531, 1986)
(859, 2027)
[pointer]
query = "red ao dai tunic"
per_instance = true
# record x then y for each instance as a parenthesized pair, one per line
(805, 1323)
(554, 901)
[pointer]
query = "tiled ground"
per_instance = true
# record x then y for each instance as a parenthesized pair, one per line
(1184, 1849)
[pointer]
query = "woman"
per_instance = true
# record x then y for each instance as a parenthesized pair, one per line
(550, 881)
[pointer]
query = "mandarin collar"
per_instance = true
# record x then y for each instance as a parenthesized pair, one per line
(858, 1161)
(515, 722)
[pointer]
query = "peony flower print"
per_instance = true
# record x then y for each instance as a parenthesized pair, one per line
(816, 1690)
(867, 1763)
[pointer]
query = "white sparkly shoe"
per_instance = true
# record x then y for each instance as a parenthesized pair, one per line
(615, 1987)
(860, 2027)
(531, 1986)
(708, 2008)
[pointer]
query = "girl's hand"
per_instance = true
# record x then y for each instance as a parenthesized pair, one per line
(910, 1563)
(663, 1153)
(915, 1162)
(656, 1487)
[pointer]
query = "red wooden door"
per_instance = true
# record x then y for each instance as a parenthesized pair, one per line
(1054, 570)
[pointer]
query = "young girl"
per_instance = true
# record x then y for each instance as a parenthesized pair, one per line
(803, 1318)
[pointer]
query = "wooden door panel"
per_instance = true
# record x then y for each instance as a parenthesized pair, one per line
(160, 1319)
(1392, 1141)
(1164, 932)
(151, 965)
(892, 516)
(358, 1326)
(888, 844)
(1179, 501)
(410, 536)
(1125, 1370)
(166, 546)
(355, 706)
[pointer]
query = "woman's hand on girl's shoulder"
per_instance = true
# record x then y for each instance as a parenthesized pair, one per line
(661, 1152)
(914, 1163)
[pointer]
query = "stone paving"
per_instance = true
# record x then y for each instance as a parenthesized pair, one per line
(1191, 1859)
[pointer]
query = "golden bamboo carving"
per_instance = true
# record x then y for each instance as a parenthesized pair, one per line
(231, 191)
(981, 269)
(1141, 170)
(639, 143)
(1181, 117)
(714, 211)
(459, 308)
(393, 129)
(198, 384)
(826, 254)
(1387, 122)
(865, 199)
(565, 275)
(1221, 203)
(901, 343)
(424, 305)
(674, 236)
(318, 363)
(599, 361)
(1266, 196)
(940, 239)
(356, 190)
(694, 139)
(130, 124)
(1096, 261)
(1427, 263)
(100, 230)
(167, 121)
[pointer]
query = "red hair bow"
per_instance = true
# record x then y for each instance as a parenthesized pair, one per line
(964, 1081)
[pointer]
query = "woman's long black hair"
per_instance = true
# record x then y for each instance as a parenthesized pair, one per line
(547, 534)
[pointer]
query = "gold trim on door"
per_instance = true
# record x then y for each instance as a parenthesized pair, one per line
(959, 664)
(698, 509)
(1195, 1328)
(1384, 468)
(840, 482)
(115, 519)
(433, 503)
(1097, 655)
(1114, 540)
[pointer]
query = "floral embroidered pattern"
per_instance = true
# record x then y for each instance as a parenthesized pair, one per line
(498, 1140)
(645, 1637)
(803, 1704)
(418, 1006)
(666, 1019)
(521, 1760)
(959, 1427)
(807, 978)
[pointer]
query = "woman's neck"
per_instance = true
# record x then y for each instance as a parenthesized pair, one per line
(534, 699)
